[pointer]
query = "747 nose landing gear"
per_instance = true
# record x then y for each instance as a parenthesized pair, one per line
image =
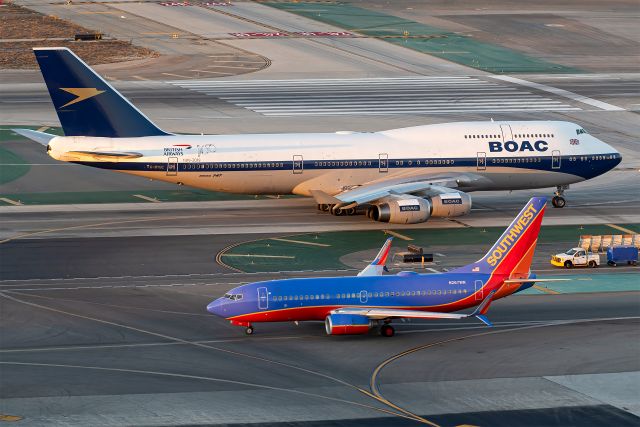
(558, 200)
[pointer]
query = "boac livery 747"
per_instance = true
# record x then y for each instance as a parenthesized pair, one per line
(402, 176)
(353, 305)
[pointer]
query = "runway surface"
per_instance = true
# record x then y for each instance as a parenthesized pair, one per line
(112, 330)
(435, 95)
(105, 356)
(587, 204)
(102, 318)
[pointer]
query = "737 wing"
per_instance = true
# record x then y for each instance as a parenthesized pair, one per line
(380, 313)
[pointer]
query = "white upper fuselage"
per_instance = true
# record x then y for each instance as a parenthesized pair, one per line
(495, 155)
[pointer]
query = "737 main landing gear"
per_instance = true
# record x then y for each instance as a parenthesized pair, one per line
(558, 200)
(387, 330)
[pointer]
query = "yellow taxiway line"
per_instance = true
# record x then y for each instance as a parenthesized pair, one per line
(398, 235)
(279, 239)
(546, 290)
(617, 227)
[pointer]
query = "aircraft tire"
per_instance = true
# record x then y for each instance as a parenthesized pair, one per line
(387, 331)
(249, 330)
(558, 202)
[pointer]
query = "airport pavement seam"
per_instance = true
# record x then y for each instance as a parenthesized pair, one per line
(267, 61)
(318, 41)
(203, 378)
(375, 390)
(208, 347)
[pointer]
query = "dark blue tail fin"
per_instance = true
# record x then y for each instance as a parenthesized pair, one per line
(86, 104)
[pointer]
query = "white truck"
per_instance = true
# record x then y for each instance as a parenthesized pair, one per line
(576, 257)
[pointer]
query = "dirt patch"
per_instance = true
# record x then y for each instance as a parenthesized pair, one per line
(21, 23)
(22, 29)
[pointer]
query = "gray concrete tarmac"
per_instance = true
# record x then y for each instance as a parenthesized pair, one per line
(113, 331)
(591, 203)
(152, 356)
(102, 318)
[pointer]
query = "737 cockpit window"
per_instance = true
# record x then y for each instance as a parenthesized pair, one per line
(580, 131)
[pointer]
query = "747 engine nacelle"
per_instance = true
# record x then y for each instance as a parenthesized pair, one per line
(408, 209)
(451, 204)
(347, 324)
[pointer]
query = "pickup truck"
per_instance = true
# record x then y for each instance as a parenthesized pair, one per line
(576, 257)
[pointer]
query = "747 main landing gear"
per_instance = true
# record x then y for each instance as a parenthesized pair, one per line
(558, 201)
(333, 210)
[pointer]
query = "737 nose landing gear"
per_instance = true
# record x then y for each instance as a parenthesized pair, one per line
(558, 200)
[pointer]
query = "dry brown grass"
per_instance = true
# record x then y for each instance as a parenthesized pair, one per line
(20, 23)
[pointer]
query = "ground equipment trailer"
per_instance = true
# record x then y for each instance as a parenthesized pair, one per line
(622, 255)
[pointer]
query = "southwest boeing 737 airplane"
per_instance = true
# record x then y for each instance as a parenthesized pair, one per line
(402, 175)
(352, 305)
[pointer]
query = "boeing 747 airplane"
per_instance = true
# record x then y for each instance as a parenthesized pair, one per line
(402, 175)
(353, 305)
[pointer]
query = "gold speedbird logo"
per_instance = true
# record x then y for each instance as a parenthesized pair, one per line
(81, 93)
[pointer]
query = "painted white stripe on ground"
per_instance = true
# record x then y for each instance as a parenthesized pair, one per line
(327, 81)
(259, 256)
(355, 86)
(417, 111)
(11, 202)
(560, 92)
(148, 199)
(386, 104)
(417, 94)
(376, 96)
(361, 83)
(335, 90)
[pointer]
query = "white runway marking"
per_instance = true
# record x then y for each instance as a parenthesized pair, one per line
(561, 92)
(413, 95)
(147, 198)
(11, 202)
